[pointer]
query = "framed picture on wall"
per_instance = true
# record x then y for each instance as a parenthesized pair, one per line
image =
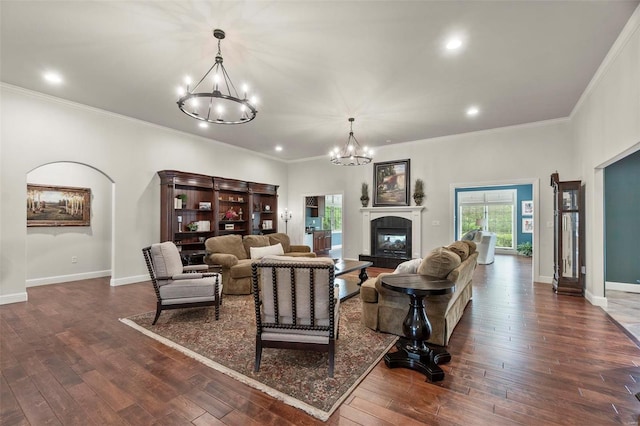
(391, 183)
(58, 206)
(527, 225)
(527, 208)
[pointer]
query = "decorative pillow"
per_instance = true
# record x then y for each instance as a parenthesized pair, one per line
(439, 262)
(461, 249)
(472, 246)
(260, 252)
(408, 267)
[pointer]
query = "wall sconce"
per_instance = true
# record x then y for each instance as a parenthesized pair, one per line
(286, 216)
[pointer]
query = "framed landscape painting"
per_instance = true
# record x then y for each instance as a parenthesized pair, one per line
(58, 206)
(391, 183)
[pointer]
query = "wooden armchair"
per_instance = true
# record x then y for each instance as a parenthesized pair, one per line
(178, 286)
(297, 305)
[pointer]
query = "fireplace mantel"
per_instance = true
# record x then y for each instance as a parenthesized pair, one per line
(413, 213)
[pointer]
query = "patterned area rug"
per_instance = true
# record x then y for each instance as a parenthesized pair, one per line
(298, 378)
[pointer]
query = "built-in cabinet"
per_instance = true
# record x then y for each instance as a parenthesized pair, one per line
(194, 207)
(568, 241)
(315, 206)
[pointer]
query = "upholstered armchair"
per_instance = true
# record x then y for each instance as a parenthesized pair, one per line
(178, 286)
(297, 305)
(486, 246)
(235, 253)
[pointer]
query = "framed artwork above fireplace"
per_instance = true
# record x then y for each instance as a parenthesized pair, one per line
(391, 183)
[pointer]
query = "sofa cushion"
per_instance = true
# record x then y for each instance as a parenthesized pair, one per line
(472, 246)
(226, 244)
(281, 238)
(439, 262)
(260, 252)
(461, 249)
(408, 267)
(254, 241)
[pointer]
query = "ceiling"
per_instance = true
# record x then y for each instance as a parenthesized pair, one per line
(313, 64)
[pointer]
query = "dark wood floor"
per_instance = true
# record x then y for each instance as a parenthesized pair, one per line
(520, 355)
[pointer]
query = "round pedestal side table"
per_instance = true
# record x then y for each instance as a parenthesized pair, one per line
(413, 351)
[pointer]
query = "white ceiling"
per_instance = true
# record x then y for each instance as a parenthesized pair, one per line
(313, 64)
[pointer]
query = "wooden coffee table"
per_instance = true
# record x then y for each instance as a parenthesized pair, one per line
(349, 288)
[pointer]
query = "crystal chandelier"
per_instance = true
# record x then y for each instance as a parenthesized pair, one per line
(352, 154)
(223, 105)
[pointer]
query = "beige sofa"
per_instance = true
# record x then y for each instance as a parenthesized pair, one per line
(233, 253)
(385, 310)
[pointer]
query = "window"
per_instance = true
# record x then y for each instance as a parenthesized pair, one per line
(497, 207)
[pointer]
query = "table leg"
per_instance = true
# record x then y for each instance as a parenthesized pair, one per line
(413, 352)
(363, 276)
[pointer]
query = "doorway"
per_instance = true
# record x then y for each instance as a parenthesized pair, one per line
(323, 224)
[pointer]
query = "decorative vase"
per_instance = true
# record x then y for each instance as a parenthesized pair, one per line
(418, 199)
(364, 201)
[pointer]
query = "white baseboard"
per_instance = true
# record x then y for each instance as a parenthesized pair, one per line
(630, 288)
(66, 278)
(5, 299)
(129, 280)
(544, 279)
(595, 300)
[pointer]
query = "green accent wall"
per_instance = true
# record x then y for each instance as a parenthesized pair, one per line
(622, 220)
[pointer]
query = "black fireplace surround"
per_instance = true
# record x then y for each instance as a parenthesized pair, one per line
(390, 241)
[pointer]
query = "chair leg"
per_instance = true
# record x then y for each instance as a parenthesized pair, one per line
(217, 307)
(158, 310)
(332, 350)
(256, 367)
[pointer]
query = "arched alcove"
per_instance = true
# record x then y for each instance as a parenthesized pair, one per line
(69, 253)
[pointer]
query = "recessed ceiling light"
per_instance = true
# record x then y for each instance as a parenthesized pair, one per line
(278, 148)
(203, 125)
(53, 77)
(472, 111)
(453, 44)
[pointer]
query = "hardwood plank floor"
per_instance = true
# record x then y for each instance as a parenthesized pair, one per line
(521, 355)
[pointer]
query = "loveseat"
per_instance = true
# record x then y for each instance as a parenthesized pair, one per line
(234, 254)
(385, 310)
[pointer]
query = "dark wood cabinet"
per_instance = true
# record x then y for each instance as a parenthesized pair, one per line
(194, 207)
(568, 236)
(315, 206)
(321, 241)
(186, 210)
(264, 218)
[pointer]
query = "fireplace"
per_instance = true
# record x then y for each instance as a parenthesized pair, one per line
(391, 235)
(390, 240)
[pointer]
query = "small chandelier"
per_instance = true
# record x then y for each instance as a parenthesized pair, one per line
(352, 154)
(222, 105)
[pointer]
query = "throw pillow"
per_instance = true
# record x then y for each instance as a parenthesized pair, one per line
(260, 252)
(472, 246)
(408, 267)
(249, 241)
(461, 249)
(439, 262)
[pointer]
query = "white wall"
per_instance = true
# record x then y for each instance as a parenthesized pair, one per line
(508, 155)
(50, 249)
(605, 126)
(38, 129)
